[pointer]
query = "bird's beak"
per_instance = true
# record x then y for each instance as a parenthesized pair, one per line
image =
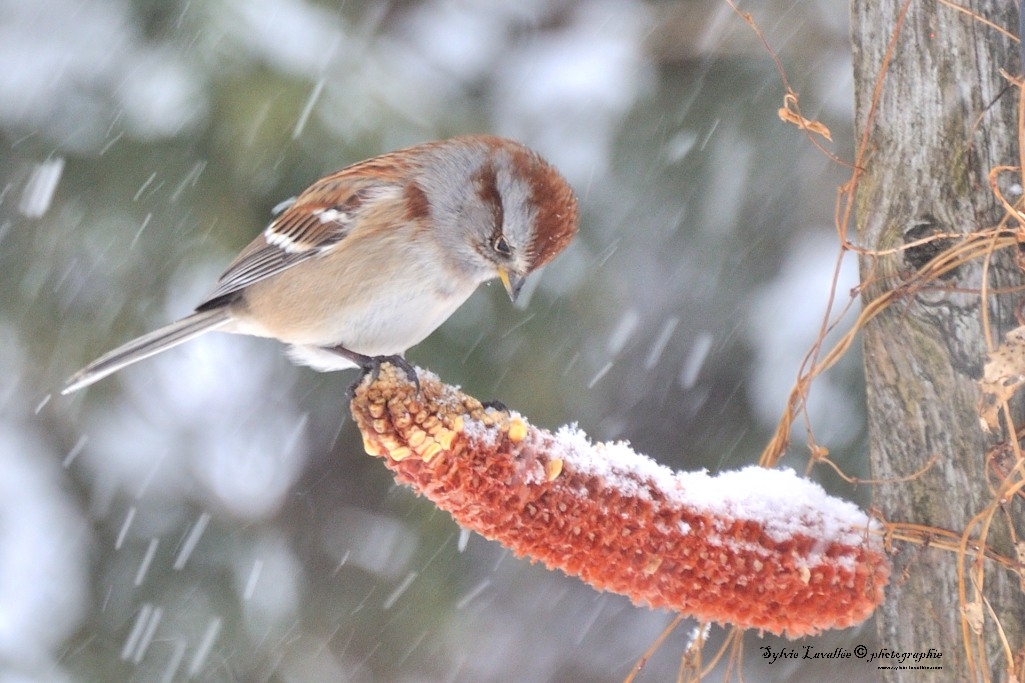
(513, 283)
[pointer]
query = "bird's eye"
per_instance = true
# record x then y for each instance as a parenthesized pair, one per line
(502, 246)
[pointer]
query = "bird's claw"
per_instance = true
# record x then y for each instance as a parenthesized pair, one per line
(495, 404)
(371, 365)
(374, 368)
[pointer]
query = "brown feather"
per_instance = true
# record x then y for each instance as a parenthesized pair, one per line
(300, 232)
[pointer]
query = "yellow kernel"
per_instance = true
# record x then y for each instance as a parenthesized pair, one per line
(416, 438)
(517, 430)
(445, 438)
(553, 468)
(431, 450)
(457, 424)
(400, 453)
(376, 410)
(652, 566)
(370, 447)
(380, 426)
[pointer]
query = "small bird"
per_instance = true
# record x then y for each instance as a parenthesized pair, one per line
(371, 259)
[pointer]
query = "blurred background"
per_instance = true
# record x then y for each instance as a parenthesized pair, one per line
(209, 514)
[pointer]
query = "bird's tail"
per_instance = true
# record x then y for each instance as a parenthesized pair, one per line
(147, 345)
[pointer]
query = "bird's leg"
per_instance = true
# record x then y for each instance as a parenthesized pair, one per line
(372, 365)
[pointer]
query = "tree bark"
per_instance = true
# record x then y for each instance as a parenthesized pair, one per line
(942, 118)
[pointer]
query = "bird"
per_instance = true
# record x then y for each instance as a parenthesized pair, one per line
(369, 260)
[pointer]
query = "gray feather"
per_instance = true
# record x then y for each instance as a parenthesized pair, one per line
(147, 345)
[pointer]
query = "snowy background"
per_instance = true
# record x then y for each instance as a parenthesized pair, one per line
(209, 514)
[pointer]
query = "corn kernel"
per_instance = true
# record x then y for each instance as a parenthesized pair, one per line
(400, 453)
(370, 447)
(553, 468)
(445, 438)
(517, 430)
(416, 438)
(431, 450)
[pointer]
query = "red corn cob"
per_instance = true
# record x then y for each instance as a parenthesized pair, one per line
(756, 548)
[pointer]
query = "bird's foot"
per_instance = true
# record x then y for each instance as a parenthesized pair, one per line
(371, 365)
(495, 404)
(373, 368)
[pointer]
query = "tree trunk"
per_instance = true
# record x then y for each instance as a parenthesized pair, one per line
(942, 119)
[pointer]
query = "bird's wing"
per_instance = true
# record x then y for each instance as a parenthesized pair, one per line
(315, 222)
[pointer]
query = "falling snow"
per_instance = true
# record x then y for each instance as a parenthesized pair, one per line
(211, 510)
(38, 192)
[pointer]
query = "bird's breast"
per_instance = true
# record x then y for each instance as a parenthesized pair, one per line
(372, 311)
